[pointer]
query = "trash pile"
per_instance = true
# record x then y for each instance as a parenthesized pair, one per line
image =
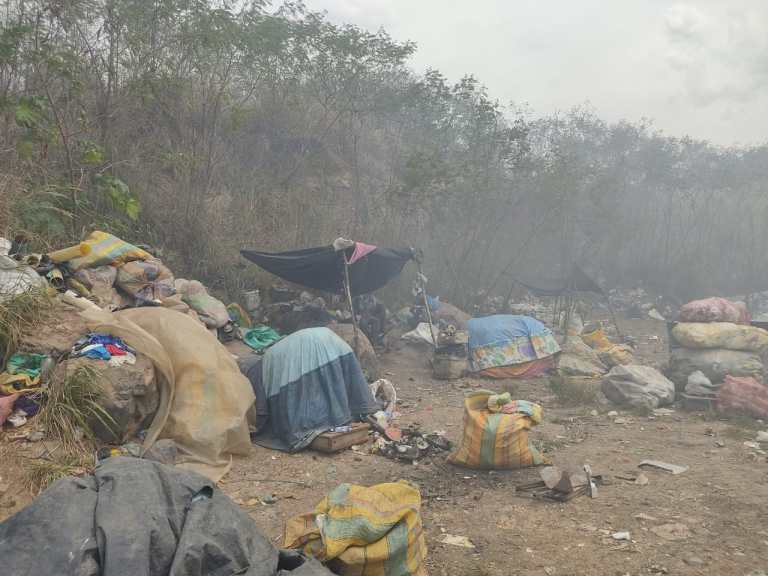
(714, 343)
(144, 341)
(410, 444)
(562, 485)
(113, 275)
(638, 303)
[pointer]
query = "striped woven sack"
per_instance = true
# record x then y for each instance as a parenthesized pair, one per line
(360, 531)
(107, 250)
(496, 441)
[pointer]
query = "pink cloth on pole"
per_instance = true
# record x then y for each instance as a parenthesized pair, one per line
(361, 250)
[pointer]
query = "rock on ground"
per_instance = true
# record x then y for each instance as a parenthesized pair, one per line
(131, 395)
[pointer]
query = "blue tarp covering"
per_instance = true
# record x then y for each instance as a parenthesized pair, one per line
(502, 329)
(310, 382)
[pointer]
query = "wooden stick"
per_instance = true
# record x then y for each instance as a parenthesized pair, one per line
(349, 300)
(426, 304)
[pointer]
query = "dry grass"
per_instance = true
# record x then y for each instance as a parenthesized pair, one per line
(19, 314)
(575, 391)
(70, 405)
(42, 472)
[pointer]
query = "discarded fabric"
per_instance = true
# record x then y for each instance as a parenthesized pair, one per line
(260, 337)
(100, 347)
(23, 363)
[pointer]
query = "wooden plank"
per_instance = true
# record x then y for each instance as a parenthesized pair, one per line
(331, 442)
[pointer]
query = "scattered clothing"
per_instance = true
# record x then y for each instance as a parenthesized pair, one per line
(359, 530)
(101, 347)
(29, 364)
(260, 337)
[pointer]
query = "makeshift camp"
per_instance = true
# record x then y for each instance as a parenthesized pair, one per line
(134, 517)
(508, 346)
(307, 384)
(322, 268)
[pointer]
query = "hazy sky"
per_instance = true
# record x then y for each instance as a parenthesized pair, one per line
(696, 67)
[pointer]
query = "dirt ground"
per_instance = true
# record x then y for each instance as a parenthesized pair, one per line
(708, 520)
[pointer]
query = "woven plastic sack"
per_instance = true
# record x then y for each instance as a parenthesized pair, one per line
(596, 339)
(495, 441)
(721, 335)
(146, 280)
(360, 531)
(638, 386)
(106, 249)
(212, 312)
(100, 282)
(714, 364)
(743, 395)
(714, 310)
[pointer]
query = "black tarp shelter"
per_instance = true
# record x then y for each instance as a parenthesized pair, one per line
(322, 268)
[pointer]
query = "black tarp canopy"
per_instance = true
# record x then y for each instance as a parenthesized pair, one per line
(576, 281)
(322, 268)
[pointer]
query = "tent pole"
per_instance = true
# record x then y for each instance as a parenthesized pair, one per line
(349, 301)
(426, 304)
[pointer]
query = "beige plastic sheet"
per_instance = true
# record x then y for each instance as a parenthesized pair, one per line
(204, 398)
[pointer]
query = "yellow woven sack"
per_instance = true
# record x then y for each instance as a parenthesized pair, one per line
(360, 531)
(496, 441)
(106, 249)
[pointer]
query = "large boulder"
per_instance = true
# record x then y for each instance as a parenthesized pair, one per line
(366, 355)
(130, 395)
(578, 359)
(638, 386)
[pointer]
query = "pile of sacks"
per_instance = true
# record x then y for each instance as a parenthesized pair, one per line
(715, 341)
(115, 274)
(590, 357)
